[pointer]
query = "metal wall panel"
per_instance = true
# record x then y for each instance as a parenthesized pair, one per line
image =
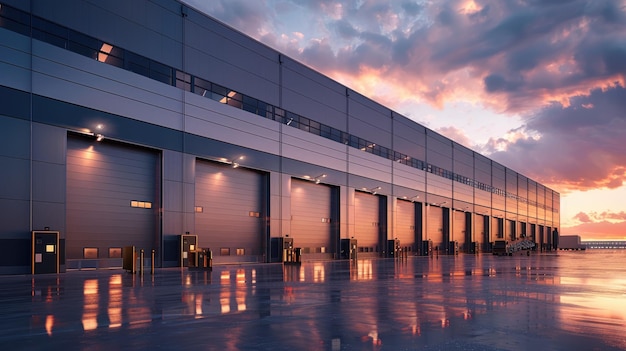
(312, 95)
(439, 150)
(366, 208)
(405, 223)
(463, 160)
(102, 180)
(231, 221)
(129, 24)
(409, 138)
(434, 225)
(311, 216)
(369, 120)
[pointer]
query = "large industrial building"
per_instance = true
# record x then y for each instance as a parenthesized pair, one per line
(132, 123)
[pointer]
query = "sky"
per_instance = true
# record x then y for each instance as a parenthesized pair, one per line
(536, 85)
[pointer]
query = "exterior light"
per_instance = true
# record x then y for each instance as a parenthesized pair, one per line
(99, 137)
(318, 178)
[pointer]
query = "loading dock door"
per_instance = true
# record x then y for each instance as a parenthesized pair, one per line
(458, 227)
(479, 230)
(496, 229)
(230, 216)
(510, 230)
(366, 207)
(434, 226)
(405, 224)
(311, 216)
(113, 200)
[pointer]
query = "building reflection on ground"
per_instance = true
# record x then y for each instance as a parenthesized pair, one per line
(371, 301)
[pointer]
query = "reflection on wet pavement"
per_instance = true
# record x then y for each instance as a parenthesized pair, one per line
(569, 300)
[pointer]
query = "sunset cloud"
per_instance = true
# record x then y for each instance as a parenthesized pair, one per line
(604, 216)
(600, 230)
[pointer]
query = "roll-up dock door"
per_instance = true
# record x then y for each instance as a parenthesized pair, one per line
(434, 226)
(405, 224)
(511, 233)
(367, 226)
(496, 228)
(311, 217)
(230, 212)
(113, 201)
(479, 231)
(458, 227)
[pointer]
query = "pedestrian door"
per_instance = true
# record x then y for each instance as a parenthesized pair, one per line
(45, 252)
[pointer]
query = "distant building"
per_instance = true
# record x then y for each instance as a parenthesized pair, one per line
(570, 242)
(134, 122)
(605, 244)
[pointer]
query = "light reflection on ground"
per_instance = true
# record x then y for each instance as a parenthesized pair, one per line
(563, 300)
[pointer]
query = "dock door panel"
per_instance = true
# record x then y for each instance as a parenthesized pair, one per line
(311, 218)
(434, 226)
(405, 224)
(367, 226)
(230, 211)
(113, 200)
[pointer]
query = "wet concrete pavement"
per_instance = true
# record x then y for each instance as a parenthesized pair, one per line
(558, 301)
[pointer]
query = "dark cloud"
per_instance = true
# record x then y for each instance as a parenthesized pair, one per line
(345, 29)
(412, 8)
(581, 146)
(495, 82)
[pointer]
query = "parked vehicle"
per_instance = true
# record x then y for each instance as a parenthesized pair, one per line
(500, 248)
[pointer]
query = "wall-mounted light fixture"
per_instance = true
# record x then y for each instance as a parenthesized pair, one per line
(234, 163)
(99, 137)
(374, 191)
(319, 177)
(412, 199)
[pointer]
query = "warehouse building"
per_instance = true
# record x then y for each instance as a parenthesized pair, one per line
(133, 123)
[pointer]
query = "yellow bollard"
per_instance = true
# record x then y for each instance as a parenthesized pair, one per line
(152, 265)
(141, 262)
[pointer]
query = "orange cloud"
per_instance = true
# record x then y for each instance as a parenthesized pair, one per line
(604, 230)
